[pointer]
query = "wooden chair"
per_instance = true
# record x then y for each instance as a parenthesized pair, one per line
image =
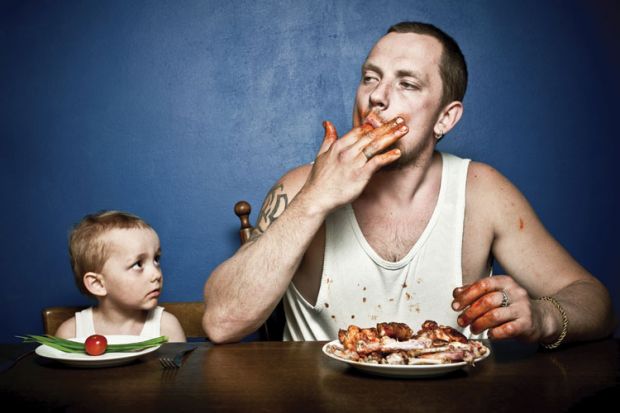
(189, 314)
(273, 328)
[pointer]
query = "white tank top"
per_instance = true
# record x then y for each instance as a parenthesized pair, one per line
(85, 326)
(359, 287)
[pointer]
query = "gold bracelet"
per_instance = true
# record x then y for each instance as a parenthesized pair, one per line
(564, 323)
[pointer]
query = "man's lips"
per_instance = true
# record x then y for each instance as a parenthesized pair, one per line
(374, 120)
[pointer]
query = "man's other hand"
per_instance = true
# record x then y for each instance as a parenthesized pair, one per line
(502, 306)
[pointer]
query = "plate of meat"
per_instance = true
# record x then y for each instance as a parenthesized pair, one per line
(394, 350)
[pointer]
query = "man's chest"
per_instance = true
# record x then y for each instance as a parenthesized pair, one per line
(393, 237)
(392, 240)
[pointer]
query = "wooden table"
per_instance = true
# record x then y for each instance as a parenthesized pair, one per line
(292, 377)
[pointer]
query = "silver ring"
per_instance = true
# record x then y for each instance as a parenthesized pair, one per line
(505, 299)
(367, 153)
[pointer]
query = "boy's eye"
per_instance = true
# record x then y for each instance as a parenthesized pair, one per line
(137, 265)
(157, 259)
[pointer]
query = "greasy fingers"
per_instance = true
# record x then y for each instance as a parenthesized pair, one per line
(522, 329)
(383, 159)
(468, 295)
(330, 130)
(386, 128)
(366, 128)
(385, 140)
(330, 137)
(376, 140)
(481, 306)
(503, 332)
(458, 291)
(364, 131)
(491, 319)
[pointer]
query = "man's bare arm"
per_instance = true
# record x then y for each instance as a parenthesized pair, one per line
(537, 266)
(242, 292)
(275, 203)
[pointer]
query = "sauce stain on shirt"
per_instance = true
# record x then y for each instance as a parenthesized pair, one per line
(415, 307)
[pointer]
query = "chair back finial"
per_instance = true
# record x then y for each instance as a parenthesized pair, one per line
(243, 210)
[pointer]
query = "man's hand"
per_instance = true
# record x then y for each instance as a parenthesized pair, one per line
(522, 318)
(344, 166)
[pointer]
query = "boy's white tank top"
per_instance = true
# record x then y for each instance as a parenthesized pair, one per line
(359, 287)
(85, 326)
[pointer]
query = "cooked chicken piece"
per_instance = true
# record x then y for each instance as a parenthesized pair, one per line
(398, 331)
(353, 335)
(432, 330)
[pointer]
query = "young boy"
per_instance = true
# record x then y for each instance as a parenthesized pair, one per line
(115, 259)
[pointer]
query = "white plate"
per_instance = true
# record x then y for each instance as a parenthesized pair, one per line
(104, 360)
(408, 371)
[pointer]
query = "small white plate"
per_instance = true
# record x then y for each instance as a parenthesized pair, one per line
(104, 360)
(408, 371)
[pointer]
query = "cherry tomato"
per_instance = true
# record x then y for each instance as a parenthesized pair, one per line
(95, 345)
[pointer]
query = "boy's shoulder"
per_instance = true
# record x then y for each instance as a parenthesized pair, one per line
(171, 327)
(66, 329)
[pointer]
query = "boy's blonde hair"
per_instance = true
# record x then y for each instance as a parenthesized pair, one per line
(87, 249)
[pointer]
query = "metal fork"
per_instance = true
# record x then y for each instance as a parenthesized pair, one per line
(175, 361)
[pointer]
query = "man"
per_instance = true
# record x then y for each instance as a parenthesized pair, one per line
(381, 227)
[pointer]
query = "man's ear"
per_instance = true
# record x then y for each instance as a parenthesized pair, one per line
(448, 118)
(95, 284)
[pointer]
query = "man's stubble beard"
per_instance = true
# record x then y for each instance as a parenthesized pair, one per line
(410, 158)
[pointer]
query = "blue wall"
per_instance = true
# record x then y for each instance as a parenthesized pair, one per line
(174, 110)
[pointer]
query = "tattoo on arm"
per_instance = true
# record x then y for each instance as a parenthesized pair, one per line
(275, 203)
